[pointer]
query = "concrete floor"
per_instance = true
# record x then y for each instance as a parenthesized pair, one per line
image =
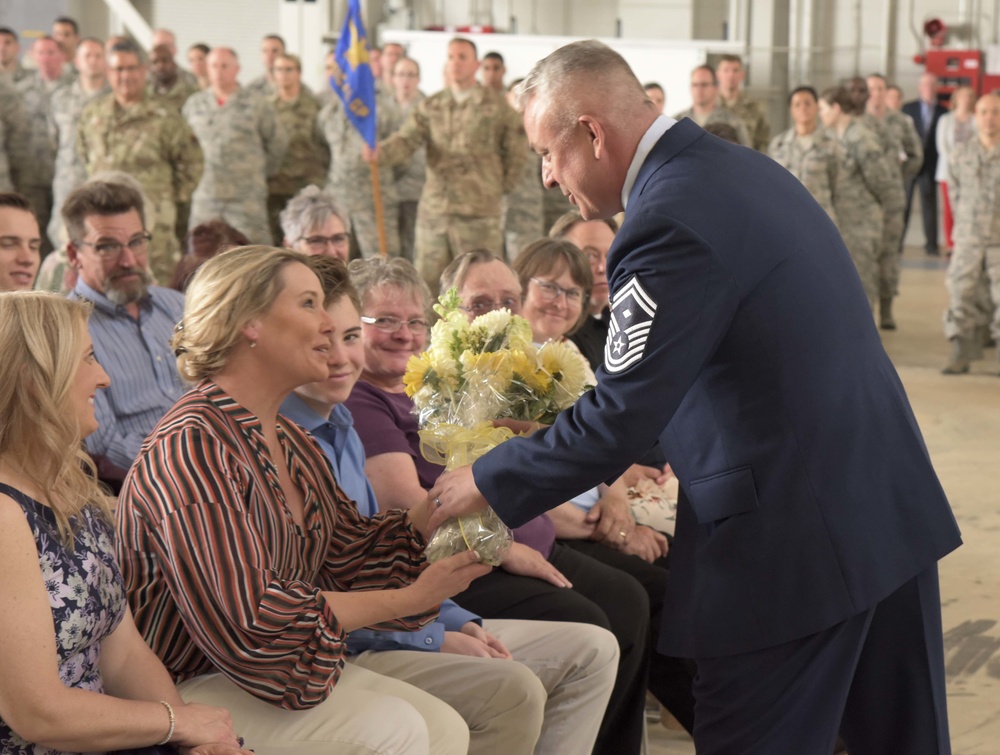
(960, 419)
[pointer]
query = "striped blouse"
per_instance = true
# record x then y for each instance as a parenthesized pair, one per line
(218, 575)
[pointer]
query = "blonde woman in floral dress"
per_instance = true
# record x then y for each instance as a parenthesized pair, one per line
(66, 634)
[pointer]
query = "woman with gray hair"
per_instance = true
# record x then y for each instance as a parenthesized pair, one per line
(313, 224)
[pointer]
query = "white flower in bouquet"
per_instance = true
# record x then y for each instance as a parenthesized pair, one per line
(569, 375)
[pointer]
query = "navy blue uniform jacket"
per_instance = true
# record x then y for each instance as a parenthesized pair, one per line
(807, 493)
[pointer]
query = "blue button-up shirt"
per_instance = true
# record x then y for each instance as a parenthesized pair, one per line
(137, 356)
(342, 446)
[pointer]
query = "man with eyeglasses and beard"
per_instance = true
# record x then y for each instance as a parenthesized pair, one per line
(132, 321)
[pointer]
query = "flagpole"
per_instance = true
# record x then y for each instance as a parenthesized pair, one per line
(379, 217)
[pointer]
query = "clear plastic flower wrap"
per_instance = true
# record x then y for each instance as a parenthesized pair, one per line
(474, 373)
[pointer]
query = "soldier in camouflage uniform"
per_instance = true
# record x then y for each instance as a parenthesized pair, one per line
(11, 70)
(475, 150)
(900, 140)
(36, 91)
(705, 108)
(270, 48)
(165, 80)
(350, 180)
(15, 136)
(67, 106)
(753, 113)
(410, 177)
(524, 211)
(867, 185)
(243, 142)
(137, 134)
(524, 207)
(810, 153)
(307, 156)
(974, 189)
(166, 37)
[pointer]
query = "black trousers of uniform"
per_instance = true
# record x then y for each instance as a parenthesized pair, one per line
(877, 679)
(601, 595)
(928, 207)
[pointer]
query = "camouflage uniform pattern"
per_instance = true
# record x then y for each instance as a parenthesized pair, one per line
(410, 179)
(867, 183)
(306, 158)
(36, 181)
(16, 75)
(719, 114)
(524, 213)
(15, 136)
(260, 87)
(814, 161)
(151, 142)
(67, 107)
(475, 150)
(894, 209)
(974, 189)
(349, 180)
(177, 95)
(754, 116)
(244, 143)
(911, 154)
(188, 78)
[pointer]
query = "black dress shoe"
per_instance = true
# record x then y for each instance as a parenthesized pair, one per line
(935, 252)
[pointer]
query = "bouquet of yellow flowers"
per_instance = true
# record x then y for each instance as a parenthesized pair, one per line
(471, 374)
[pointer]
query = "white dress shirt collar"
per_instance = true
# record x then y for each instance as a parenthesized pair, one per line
(657, 129)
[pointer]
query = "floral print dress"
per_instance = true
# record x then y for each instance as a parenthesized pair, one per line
(86, 594)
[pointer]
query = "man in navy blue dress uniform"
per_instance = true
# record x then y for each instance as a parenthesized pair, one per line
(810, 521)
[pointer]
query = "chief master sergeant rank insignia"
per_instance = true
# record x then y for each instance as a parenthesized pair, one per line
(632, 311)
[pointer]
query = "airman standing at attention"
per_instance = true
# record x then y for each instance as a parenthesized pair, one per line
(705, 106)
(244, 143)
(307, 156)
(753, 113)
(67, 106)
(904, 145)
(36, 90)
(270, 48)
(974, 189)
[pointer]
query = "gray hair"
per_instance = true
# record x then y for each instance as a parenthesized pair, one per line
(128, 47)
(310, 208)
(586, 63)
(382, 272)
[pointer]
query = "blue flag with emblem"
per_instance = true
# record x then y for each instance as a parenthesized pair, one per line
(352, 77)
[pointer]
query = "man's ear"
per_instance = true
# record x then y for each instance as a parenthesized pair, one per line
(73, 255)
(596, 134)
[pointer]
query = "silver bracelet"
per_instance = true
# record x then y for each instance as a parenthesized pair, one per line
(173, 721)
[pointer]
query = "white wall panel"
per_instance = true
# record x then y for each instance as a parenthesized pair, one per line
(239, 24)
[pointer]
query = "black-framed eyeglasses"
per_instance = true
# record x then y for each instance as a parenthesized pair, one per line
(417, 325)
(319, 243)
(109, 250)
(482, 306)
(552, 291)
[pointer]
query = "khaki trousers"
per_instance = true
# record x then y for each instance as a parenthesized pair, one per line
(549, 700)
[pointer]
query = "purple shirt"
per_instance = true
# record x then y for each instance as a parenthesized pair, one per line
(386, 424)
